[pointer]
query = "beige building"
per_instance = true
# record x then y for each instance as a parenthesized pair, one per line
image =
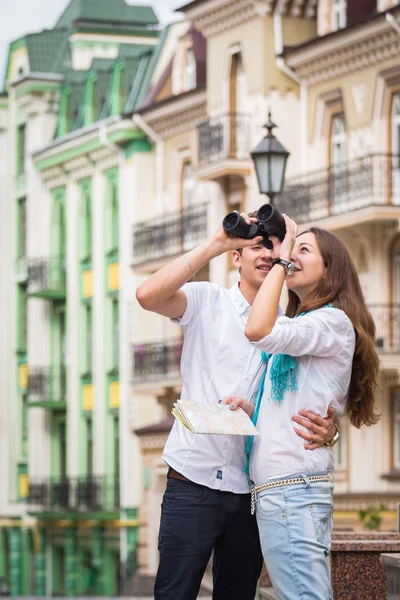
(327, 70)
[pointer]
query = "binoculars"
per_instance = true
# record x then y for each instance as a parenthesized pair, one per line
(270, 222)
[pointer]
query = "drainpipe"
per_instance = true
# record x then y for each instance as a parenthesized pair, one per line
(282, 66)
(157, 139)
(392, 21)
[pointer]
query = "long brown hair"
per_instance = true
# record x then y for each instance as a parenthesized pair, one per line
(341, 287)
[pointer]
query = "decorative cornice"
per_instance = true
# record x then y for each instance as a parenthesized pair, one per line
(217, 16)
(178, 115)
(346, 52)
(153, 442)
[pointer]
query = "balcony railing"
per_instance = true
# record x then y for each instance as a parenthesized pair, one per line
(169, 234)
(47, 387)
(372, 180)
(387, 322)
(90, 494)
(47, 278)
(156, 361)
(223, 136)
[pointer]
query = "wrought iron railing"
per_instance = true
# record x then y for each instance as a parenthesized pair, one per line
(47, 384)
(223, 136)
(169, 234)
(82, 494)
(46, 276)
(387, 322)
(159, 360)
(372, 180)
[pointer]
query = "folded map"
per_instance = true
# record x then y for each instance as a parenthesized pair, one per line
(213, 418)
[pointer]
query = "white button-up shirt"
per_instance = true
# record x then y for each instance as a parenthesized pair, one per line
(323, 342)
(217, 361)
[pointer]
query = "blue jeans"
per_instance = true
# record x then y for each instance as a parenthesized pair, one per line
(295, 526)
(195, 521)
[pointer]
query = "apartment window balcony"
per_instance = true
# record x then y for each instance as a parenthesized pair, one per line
(47, 387)
(387, 322)
(168, 235)
(84, 494)
(47, 278)
(156, 362)
(224, 146)
(360, 190)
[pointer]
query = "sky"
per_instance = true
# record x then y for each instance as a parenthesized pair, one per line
(19, 17)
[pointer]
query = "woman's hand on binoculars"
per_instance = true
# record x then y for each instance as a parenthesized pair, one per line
(228, 242)
(288, 243)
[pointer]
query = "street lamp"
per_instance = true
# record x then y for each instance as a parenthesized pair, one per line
(270, 159)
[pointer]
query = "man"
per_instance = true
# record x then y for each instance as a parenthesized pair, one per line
(206, 505)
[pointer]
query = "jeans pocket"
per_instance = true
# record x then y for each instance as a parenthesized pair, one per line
(322, 513)
(272, 525)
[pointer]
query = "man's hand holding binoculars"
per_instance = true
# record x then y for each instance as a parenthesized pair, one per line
(228, 242)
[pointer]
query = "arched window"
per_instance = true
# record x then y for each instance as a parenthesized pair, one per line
(338, 163)
(236, 124)
(395, 149)
(339, 14)
(189, 71)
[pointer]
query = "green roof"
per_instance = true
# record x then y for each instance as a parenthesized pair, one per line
(113, 11)
(49, 51)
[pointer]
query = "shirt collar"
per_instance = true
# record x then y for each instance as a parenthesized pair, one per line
(239, 300)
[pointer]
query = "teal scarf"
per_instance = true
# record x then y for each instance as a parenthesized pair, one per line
(283, 379)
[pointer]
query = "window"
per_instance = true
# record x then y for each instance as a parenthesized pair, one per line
(338, 163)
(396, 429)
(340, 448)
(89, 448)
(115, 334)
(189, 72)
(114, 216)
(88, 337)
(85, 217)
(339, 13)
(21, 149)
(21, 233)
(22, 318)
(188, 184)
(236, 125)
(395, 149)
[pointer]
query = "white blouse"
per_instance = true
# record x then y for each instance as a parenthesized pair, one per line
(323, 342)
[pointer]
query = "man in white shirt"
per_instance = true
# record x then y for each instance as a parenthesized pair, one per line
(206, 505)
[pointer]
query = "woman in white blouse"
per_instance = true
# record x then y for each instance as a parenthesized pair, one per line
(322, 353)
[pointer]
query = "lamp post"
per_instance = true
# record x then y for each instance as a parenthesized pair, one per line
(270, 159)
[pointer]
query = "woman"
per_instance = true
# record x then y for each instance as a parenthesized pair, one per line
(321, 353)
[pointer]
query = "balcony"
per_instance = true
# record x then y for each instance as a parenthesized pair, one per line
(47, 278)
(169, 235)
(47, 387)
(361, 190)
(157, 363)
(223, 144)
(85, 494)
(387, 322)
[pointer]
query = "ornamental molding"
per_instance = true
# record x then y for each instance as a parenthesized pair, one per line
(178, 115)
(221, 15)
(336, 57)
(151, 442)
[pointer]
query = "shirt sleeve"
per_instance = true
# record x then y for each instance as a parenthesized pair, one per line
(197, 295)
(324, 332)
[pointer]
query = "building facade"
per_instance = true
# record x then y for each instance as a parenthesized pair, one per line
(122, 146)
